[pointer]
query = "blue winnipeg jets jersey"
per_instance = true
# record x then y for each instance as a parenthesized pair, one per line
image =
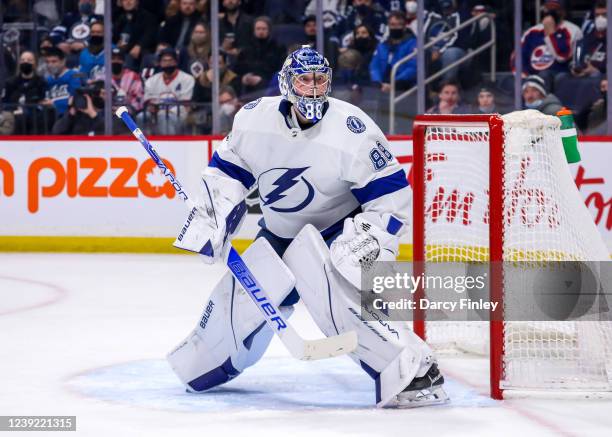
(335, 169)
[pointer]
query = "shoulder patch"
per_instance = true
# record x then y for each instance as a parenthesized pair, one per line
(355, 124)
(252, 104)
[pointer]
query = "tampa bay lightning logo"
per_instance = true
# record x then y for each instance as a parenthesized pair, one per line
(286, 189)
(355, 124)
(252, 104)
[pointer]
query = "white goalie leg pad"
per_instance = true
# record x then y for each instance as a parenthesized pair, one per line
(388, 351)
(232, 334)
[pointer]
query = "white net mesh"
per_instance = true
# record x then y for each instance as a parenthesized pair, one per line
(544, 219)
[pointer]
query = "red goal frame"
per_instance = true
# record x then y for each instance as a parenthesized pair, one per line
(496, 226)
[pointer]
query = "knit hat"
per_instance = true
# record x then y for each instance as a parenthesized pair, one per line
(536, 82)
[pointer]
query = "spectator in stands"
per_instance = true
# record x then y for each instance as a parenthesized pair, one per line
(411, 19)
(547, 47)
(260, 59)
(362, 12)
(127, 85)
(76, 26)
(202, 92)
(592, 47)
(228, 106)
(175, 31)
(479, 33)
(91, 60)
(399, 44)
(596, 121)
(198, 49)
(43, 47)
(167, 95)
(449, 100)
(26, 88)
(174, 6)
(330, 46)
(348, 77)
(364, 43)
(86, 118)
(61, 82)
(536, 96)
(235, 28)
(486, 101)
(333, 12)
(134, 31)
(454, 47)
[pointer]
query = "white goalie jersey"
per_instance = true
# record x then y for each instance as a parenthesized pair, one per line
(334, 169)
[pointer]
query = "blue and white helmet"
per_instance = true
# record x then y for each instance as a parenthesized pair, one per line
(308, 70)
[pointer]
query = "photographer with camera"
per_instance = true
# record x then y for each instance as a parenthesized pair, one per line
(85, 114)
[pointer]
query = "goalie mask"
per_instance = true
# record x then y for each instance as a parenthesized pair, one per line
(305, 81)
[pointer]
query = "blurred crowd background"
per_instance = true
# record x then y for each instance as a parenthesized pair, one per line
(52, 68)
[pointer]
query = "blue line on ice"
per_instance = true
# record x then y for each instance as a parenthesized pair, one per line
(272, 384)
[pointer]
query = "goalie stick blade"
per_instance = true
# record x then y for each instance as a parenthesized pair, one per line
(320, 349)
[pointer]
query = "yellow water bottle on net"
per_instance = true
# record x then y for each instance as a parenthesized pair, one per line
(569, 135)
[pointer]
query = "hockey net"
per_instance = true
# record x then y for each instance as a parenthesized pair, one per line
(536, 214)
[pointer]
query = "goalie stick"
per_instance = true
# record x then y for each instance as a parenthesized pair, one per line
(298, 347)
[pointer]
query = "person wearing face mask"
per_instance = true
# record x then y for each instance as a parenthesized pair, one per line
(134, 30)
(398, 45)
(411, 18)
(167, 96)
(91, 59)
(260, 59)
(591, 50)
(127, 85)
(199, 118)
(535, 96)
(61, 82)
(228, 107)
(365, 44)
(547, 47)
(198, 49)
(362, 12)
(22, 92)
(330, 46)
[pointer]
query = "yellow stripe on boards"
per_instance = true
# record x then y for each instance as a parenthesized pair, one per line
(98, 244)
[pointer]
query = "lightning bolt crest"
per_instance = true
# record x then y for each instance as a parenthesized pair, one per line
(283, 183)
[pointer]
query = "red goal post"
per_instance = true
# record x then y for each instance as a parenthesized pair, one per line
(496, 166)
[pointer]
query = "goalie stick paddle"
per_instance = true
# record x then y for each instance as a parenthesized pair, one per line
(298, 347)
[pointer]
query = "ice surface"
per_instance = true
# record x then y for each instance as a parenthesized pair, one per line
(86, 335)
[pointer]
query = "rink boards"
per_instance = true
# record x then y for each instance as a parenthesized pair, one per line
(102, 194)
